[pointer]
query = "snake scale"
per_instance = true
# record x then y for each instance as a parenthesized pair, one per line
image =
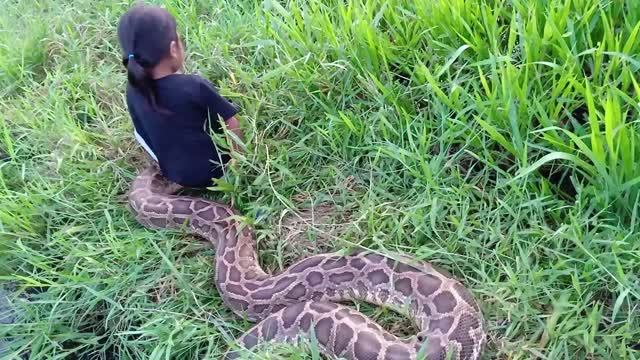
(306, 297)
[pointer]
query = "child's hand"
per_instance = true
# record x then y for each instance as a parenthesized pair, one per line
(234, 125)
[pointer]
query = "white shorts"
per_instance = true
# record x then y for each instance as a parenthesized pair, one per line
(144, 145)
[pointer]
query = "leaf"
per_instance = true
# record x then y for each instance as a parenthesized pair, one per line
(618, 303)
(548, 158)
(495, 135)
(596, 144)
(453, 58)
(315, 347)
(611, 116)
(434, 86)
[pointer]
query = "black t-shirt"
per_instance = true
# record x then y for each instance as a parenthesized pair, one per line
(179, 137)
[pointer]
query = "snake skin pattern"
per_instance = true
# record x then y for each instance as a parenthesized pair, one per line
(306, 296)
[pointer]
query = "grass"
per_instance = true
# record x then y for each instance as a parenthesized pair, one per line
(498, 139)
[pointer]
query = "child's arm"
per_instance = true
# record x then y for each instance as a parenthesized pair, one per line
(234, 125)
(224, 109)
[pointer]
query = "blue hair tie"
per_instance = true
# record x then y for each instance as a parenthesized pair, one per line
(131, 56)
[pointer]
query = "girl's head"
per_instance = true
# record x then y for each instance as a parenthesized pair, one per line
(151, 47)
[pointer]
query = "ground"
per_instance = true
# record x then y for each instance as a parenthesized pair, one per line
(498, 139)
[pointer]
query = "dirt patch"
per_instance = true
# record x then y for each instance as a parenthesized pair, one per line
(312, 229)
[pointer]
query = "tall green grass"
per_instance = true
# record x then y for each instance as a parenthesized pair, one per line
(497, 139)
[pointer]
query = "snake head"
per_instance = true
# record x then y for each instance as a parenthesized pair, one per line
(425, 347)
(462, 341)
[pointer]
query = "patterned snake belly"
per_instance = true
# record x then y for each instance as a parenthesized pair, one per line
(305, 297)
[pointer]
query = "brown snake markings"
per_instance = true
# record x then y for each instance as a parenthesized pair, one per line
(305, 296)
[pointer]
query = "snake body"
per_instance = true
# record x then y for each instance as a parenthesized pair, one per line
(306, 297)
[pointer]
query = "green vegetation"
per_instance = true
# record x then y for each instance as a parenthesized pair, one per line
(499, 139)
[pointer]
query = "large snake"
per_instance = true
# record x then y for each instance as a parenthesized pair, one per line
(304, 299)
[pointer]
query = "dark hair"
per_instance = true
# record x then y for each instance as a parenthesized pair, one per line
(145, 34)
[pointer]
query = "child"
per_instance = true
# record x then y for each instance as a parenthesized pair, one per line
(171, 112)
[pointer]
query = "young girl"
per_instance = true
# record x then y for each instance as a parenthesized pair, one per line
(171, 112)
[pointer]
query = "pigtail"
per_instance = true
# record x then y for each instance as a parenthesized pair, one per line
(139, 78)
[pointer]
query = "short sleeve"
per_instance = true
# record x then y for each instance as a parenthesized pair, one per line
(215, 103)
